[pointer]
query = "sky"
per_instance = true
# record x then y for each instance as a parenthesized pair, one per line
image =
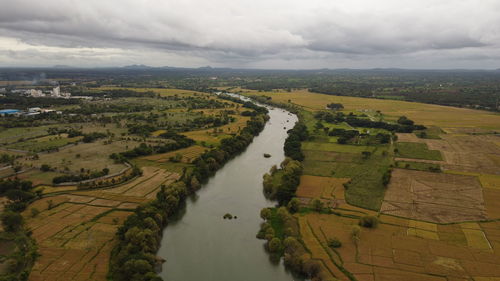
(267, 34)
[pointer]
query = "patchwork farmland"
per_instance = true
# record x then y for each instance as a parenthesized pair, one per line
(435, 219)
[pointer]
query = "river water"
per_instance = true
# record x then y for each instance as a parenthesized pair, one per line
(199, 245)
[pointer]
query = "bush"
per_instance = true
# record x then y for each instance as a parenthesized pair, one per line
(294, 205)
(274, 245)
(317, 205)
(355, 231)
(265, 214)
(34, 212)
(334, 243)
(368, 221)
(45, 168)
(11, 221)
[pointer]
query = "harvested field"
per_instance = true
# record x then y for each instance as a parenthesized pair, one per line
(469, 153)
(434, 197)
(392, 251)
(321, 187)
(188, 154)
(75, 232)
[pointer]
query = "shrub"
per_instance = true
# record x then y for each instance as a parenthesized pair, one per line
(334, 243)
(355, 231)
(368, 221)
(294, 205)
(317, 205)
(265, 213)
(11, 221)
(45, 168)
(34, 212)
(274, 245)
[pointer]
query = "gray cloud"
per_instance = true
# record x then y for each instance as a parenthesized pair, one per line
(258, 33)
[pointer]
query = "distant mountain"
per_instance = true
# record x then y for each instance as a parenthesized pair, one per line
(62, 66)
(138, 66)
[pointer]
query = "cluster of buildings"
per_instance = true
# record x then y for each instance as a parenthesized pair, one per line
(54, 93)
(29, 112)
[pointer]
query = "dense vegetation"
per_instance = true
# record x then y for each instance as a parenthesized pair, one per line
(19, 261)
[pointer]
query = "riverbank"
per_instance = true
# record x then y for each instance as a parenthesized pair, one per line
(218, 249)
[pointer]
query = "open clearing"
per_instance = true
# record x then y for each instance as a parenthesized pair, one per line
(188, 154)
(434, 197)
(215, 135)
(321, 187)
(85, 155)
(75, 236)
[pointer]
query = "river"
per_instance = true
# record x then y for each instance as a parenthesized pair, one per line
(199, 245)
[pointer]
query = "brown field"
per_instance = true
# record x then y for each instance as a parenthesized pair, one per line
(392, 251)
(434, 197)
(76, 235)
(423, 233)
(188, 154)
(468, 153)
(327, 188)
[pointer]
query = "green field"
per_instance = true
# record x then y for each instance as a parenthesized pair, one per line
(329, 146)
(43, 143)
(417, 151)
(420, 166)
(366, 188)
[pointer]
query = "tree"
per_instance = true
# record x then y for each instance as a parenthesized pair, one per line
(294, 205)
(366, 154)
(265, 213)
(368, 221)
(45, 168)
(11, 221)
(274, 245)
(317, 204)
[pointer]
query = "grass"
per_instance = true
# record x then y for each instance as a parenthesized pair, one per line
(366, 189)
(94, 156)
(162, 92)
(335, 147)
(188, 154)
(426, 114)
(38, 177)
(44, 143)
(417, 151)
(420, 166)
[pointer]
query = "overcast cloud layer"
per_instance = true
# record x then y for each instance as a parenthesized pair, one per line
(251, 33)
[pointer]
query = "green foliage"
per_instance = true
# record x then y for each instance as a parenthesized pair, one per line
(368, 221)
(265, 213)
(334, 243)
(292, 145)
(293, 205)
(283, 183)
(274, 245)
(420, 166)
(417, 151)
(11, 221)
(317, 205)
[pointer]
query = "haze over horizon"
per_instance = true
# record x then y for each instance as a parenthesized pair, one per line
(275, 34)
